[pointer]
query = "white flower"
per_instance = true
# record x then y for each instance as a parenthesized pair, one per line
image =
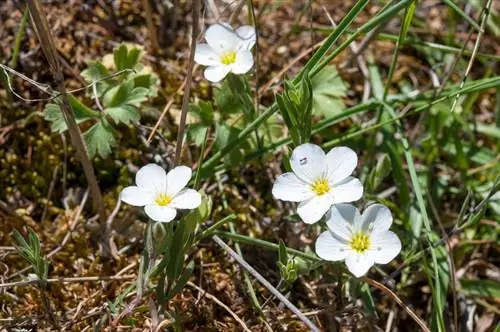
(226, 51)
(318, 181)
(360, 240)
(162, 193)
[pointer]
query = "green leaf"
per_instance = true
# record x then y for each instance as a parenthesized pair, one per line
(133, 56)
(120, 57)
(481, 287)
(52, 113)
(120, 102)
(204, 111)
(367, 298)
(224, 135)
(124, 114)
(95, 72)
(282, 254)
(100, 139)
(184, 278)
(147, 81)
(328, 88)
(118, 95)
(380, 172)
(226, 101)
(196, 133)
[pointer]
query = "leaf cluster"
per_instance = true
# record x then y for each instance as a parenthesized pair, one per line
(118, 97)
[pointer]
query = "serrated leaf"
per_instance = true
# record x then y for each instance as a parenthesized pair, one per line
(124, 114)
(196, 133)
(133, 56)
(120, 57)
(147, 81)
(328, 88)
(100, 138)
(226, 101)
(94, 72)
(52, 113)
(117, 95)
(225, 134)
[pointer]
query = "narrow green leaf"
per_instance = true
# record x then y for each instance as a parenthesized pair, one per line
(488, 288)
(181, 282)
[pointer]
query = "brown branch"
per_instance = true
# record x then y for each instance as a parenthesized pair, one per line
(67, 280)
(40, 24)
(393, 295)
(189, 79)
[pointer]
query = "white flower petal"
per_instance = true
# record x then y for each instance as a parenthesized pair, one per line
(376, 218)
(349, 190)
(137, 196)
(313, 209)
(386, 246)
(307, 162)
(341, 220)
(289, 187)
(243, 62)
(177, 179)
(340, 162)
(359, 264)
(205, 55)
(330, 247)
(151, 176)
(216, 73)
(187, 199)
(222, 38)
(160, 213)
(247, 35)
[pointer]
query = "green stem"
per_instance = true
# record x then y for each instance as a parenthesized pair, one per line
(330, 40)
(377, 20)
(483, 85)
(265, 244)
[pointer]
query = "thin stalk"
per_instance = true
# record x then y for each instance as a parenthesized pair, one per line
(246, 277)
(460, 12)
(474, 51)
(19, 39)
(266, 244)
(189, 79)
(197, 178)
(49, 49)
(483, 85)
(365, 28)
(402, 36)
(436, 46)
(318, 55)
(265, 283)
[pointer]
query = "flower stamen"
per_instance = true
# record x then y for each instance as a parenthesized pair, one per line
(320, 186)
(228, 58)
(360, 242)
(163, 199)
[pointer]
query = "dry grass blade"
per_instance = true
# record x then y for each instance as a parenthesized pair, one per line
(393, 295)
(219, 303)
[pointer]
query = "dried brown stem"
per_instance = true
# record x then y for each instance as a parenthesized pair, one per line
(47, 44)
(393, 296)
(189, 79)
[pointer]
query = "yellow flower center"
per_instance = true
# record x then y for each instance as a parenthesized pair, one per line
(360, 242)
(163, 200)
(320, 186)
(228, 58)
